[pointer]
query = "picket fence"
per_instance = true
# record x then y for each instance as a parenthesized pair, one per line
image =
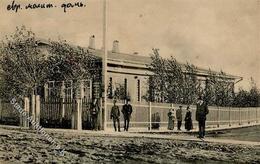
(57, 113)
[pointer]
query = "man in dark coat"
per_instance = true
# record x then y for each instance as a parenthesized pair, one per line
(94, 113)
(127, 111)
(179, 117)
(201, 113)
(115, 115)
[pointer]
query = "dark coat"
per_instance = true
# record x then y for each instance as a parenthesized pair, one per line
(179, 114)
(127, 111)
(201, 111)
(94, 109)
(188, 120)
(115, 113)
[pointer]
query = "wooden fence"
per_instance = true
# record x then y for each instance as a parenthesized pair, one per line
(143, 114)
(57, 113)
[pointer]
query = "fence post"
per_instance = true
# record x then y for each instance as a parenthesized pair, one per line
(256, 118)
(103, 126)
(174, 115)
(26, 110)
(218, 118)
(37, 109)
(33, 110)
(229, 111)
(248, 115)
(79, 114)
(62, 100)
(73, 115)
(239, 109)
(150, 115)
(1, 110)
(100, 119)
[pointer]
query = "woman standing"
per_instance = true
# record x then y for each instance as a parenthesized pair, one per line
(188, 119)
(171, 118)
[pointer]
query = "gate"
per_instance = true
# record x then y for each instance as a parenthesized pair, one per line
(57, 112)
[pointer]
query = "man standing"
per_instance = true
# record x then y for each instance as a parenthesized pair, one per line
(94, 114)
(201, 113)
(115, 115)
(179, 117)
(127, 111)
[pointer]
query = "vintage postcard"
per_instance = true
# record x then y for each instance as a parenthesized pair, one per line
(129, 81)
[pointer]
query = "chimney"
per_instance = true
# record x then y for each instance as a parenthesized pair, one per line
(115, 48)
(92, 42)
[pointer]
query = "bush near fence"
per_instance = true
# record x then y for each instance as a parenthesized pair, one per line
(8, 115)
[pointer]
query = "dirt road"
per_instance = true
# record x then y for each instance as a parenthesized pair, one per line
(25, 146)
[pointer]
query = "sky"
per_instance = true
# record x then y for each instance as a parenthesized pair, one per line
(217, 34)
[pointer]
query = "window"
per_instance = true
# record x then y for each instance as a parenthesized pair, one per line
(68, 89)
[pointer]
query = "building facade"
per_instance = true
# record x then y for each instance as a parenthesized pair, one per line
(128, 75)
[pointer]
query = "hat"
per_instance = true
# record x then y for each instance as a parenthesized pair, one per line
(128, 98)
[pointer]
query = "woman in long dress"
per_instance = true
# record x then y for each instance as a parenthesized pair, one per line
(171, 117)
(188, 119)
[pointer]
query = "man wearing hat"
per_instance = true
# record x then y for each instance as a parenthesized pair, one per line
(201, 113)
(179, 117)
(127, 111)
(115, 116)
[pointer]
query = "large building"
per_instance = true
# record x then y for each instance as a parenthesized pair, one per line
(127, 71)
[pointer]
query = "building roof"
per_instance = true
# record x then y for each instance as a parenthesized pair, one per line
(142, 62)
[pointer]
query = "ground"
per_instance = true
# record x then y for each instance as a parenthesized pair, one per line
(26, 146)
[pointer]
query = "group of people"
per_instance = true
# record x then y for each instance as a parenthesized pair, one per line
(201, 113)
(115, 115)
(178, 116)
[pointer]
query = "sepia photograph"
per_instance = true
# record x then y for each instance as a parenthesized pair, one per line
(130, 81)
